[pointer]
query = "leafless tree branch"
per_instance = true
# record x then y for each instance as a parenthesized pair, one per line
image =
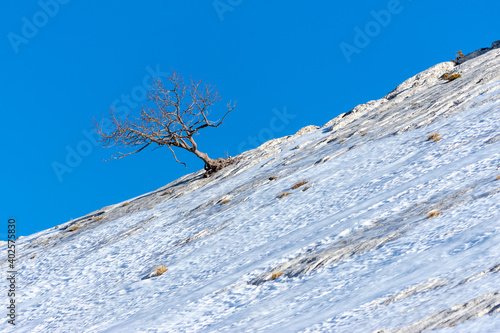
(173, 115)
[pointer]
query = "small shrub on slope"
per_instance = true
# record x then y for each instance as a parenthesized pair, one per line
(433, 214)
(434, 137)
(299, 184)
(450, 77)
(160, 270)
(282, 195)
(458, 56)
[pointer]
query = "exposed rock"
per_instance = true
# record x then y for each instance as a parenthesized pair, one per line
(487, 304)
(477, 53)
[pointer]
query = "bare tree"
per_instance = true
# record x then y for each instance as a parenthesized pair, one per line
(172, 117)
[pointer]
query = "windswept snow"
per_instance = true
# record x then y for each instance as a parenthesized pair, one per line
(391, 233)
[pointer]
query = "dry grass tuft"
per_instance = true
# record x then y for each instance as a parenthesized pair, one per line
(282, 195)
(364, 134)
(160, 270)
(450, 77)
(166, 192)
(299, 184)
(306, 188)
(433, 214)
(273, 178)
(151, 207)
(414, 104)
(434, 137)
(276, 275)
(225, 201)
(498, 177)
(74, 228)
(33, 256)
(126, 204)
(99, 218)
(343, 140)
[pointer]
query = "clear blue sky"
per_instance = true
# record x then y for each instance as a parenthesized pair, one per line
(64, 62)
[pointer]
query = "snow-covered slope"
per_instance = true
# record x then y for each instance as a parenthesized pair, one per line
(393, 231)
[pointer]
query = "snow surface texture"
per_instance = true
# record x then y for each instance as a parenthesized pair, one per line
(392, 232)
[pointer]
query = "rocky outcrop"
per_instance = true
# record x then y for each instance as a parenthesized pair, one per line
(477, 53)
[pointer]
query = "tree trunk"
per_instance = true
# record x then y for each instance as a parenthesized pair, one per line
(212, 166)
(208, 161)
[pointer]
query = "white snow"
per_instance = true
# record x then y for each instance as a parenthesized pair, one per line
(355, 252)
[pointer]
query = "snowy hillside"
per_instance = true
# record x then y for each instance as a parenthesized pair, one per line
(386, 219)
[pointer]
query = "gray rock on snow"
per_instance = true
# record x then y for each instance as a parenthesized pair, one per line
(477, 53)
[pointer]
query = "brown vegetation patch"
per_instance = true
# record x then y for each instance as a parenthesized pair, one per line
(160, 270)
(299, 184)
(74, 228)
(433, 214)
(282, 195)
(434, 137)
(450, 77)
